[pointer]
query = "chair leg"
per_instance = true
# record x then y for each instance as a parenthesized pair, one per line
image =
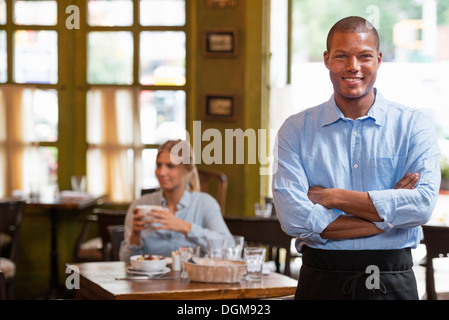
(2, 286)
(430, 281)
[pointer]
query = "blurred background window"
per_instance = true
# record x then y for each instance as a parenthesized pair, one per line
(162, 12)
(110, 58)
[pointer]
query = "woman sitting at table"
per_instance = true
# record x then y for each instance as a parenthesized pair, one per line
(189, 217)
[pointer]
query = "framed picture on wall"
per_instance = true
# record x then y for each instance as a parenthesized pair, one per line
(220, 43)
(219, 107)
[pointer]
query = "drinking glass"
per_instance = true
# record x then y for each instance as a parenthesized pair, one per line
(263, 209)
(78, 183)
(216, 248)
(234, 248)
(185, 253)
(254, 258)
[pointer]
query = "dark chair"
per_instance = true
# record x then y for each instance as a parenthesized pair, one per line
(263, 231)
(99, 247)
(11, 214)
(436, 240)
(116, 234)
(2, 286)
(89, 249)
(215, 183)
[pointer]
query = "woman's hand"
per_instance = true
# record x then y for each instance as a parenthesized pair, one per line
(138, 225)
(165, 219)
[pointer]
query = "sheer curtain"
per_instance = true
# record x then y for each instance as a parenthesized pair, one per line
(112, 128)
(19, 153)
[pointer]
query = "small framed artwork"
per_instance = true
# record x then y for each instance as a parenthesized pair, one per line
(219, 107)
(220, 43)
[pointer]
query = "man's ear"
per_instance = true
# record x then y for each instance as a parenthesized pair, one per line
(379, 59)
(326, 59)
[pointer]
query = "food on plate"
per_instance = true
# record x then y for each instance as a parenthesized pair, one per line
(150, 257)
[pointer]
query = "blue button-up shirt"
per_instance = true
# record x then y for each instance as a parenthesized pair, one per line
(198, 208)
(321, 147)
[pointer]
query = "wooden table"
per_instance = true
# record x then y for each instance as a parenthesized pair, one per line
(97, 282)
(54, 208)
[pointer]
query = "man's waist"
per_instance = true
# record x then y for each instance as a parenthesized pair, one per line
(358, 260)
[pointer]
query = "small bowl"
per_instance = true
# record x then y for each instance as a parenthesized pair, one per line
(156, 263)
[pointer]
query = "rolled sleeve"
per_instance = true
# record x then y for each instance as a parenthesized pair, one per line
(320, 218)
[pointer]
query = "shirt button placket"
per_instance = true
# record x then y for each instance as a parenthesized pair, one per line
(356, 155)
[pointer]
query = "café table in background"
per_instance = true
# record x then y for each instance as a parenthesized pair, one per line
(54, 208)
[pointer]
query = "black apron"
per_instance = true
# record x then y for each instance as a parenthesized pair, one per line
(356, 274)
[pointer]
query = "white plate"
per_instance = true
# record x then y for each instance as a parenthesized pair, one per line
(147, 273)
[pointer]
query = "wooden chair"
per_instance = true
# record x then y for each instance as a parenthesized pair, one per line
(116, 234)
(93, 249)
(11, 214)
(215, 183)
(99, 247)
(436, 240)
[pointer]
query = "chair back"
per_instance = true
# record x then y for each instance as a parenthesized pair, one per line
(263, 231)
(11, 214)
(215, 183)
(436, 240)
(116, 234)
(106, 218)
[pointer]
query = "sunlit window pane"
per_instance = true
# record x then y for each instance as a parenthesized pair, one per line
(36, 13)
(162, 116)
(110, 13)
(110, 58)
(3, 57)
(162, 58)
(149, 180)
(2, 12)
(45, 109)
(36, 56)
(162, 12)
(40, 171)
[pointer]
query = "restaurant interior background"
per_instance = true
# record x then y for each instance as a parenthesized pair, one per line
(96, 98)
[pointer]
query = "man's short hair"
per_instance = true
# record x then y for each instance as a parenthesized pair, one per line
(353, 24)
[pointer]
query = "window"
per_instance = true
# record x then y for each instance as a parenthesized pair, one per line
(414, 40)
(29, 96)
(123, 75)
(136, 98)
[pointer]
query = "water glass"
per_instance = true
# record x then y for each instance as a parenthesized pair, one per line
(78, 183)
(185, 253)
(263, 209)
(254, 258)
(234, 248)
(216, 248)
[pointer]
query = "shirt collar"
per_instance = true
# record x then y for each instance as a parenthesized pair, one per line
(183, 202)
(376, 112)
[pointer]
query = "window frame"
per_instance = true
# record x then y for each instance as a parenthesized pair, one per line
(136, 29)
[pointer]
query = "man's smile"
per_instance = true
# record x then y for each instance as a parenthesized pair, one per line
(352, 80)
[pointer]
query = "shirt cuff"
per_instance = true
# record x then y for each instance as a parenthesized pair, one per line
(319, 219)
(385, 203)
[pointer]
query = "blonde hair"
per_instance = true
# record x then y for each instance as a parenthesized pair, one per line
(185, 157)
